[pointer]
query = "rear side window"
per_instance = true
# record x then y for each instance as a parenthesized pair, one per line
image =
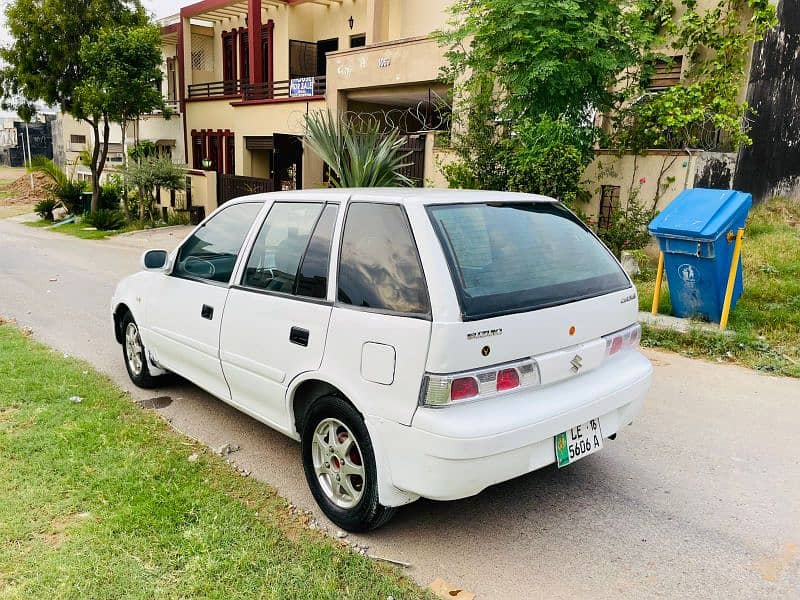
(280, 246)
(379, 267)
(211, 252)
(513, 257)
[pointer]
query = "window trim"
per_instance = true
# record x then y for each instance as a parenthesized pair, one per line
(238, 256)
(240, 285)
(428, 316)
(459, 290)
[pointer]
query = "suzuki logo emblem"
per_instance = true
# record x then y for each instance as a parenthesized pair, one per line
(576, 363)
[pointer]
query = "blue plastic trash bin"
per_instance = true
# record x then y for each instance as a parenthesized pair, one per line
(696, 233)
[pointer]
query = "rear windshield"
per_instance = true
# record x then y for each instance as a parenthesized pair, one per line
(513, 257)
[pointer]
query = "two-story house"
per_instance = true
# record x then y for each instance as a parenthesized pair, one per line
(248, 73)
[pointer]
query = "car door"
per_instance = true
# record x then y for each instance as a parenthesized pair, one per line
(276, 318)
(185, 306)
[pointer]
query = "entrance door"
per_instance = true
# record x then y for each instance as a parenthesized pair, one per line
(276, 319)
(185, 307)
(288, 162)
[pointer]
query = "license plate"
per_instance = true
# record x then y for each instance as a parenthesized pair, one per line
(582, 440)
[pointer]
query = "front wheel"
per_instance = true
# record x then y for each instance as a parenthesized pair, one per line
(339, 464)
(135, 355)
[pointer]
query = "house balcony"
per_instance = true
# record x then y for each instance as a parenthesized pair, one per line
(215, 90)
(299, 88)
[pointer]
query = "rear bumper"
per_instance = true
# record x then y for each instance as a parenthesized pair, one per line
(458, 451)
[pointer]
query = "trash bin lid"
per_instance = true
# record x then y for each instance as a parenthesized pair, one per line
(700, 213)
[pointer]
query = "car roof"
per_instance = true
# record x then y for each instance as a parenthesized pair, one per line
(399, 195)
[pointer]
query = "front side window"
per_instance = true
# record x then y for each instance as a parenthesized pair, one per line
(280, 247)
(379, 267)
(211, 252)
(513, 257)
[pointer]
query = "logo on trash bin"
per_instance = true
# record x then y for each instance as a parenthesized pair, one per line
(687, 275)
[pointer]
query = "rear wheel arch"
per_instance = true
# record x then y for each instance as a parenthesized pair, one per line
(309, 391)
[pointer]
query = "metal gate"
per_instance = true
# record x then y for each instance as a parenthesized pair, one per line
(235, 186)
(415, 171)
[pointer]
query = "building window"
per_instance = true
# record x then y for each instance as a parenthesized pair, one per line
(77, 139)
(357, 41)
(302, 59)
(244, 55)
(666, 73)
(229, 63)
(323, 47)
(216, 146)
(609, 197)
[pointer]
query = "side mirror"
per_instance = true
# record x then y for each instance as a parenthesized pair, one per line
(155, 260)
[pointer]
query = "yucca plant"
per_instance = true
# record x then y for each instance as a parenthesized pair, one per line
(358, 156)
(62, 186)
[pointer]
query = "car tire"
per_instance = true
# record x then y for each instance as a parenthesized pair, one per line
(339, 464)
(135, 355)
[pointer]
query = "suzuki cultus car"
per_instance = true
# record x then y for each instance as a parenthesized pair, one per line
(417, 343)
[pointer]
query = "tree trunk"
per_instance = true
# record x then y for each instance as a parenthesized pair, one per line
(124, 127)
(99, 159)
(93, 165)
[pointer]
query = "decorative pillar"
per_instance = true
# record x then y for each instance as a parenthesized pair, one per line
(270, 54)
(254, 36)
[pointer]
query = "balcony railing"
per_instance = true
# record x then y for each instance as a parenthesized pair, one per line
(302, 87)
(216, 89)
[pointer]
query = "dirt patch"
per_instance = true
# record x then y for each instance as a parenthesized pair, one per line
(20, 192)
(155, 403)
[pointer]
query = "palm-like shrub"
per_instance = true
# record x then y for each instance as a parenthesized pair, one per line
(61, 186)
(105, 219)
(44, 208)
(358, 156)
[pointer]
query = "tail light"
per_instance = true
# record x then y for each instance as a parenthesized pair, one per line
(623, 339)
(444, 390)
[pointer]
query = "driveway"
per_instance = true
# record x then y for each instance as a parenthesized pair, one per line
(700, 498)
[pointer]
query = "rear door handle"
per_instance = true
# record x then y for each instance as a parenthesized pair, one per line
(299, 336)
(207, 312)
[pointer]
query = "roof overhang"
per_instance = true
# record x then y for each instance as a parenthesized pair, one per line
(222, 10)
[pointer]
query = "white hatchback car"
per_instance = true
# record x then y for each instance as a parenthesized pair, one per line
(417, 342)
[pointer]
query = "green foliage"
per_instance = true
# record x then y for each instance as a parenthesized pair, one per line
(561, 59)
(61, 186)
(111, 193)
(705, 107)
(627, 228)
(42, 61)
(143, 149)
(105, 219)
(543, 156)
(26, 111)
(44, 208)
(358, 156)
(178, 217)
(150, 173)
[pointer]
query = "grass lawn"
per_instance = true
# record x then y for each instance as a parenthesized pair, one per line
(99, 499)
(79, 229)
(766, 320)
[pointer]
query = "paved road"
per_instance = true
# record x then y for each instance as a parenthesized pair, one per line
(698, 499)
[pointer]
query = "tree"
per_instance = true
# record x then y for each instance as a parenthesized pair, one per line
(561, 58)
(358, 156)
(123, 76)
(704, 110)
(44, 61)
(150, 173)
(529, 76)
(120, 84)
